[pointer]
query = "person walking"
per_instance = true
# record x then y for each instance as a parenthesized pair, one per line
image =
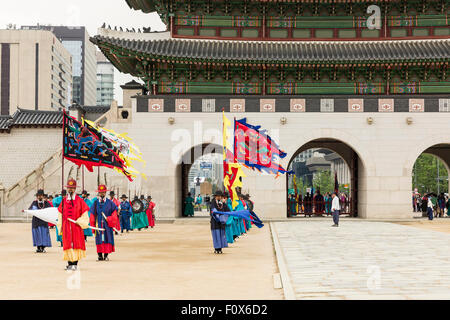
(430, 208)
(335, 209)
(441, 205)
(308, 204)
(189, 206)
(198, 203)
(292, 205)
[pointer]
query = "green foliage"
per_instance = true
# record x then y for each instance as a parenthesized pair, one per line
(324, 180)
(425, 174)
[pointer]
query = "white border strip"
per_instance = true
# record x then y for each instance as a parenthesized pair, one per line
(289, 293)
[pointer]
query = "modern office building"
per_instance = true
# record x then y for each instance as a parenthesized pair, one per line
(84, 60)
(35, 71)
(105, 81)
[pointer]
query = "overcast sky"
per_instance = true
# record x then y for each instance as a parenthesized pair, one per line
(89, 13)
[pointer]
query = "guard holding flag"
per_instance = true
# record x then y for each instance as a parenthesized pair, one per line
(104, 215)
(72, 219)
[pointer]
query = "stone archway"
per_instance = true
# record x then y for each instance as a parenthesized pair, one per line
(184, 167)
(442, 152)
(350, 157)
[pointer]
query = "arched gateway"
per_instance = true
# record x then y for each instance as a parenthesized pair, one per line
(183, 169)
(351, 159)
(368, 95)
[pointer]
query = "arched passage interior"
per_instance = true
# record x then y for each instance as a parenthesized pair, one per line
(351, 158)
(184, 167)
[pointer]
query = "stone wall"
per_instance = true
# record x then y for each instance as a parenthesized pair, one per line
(387, 150)
(24, 149)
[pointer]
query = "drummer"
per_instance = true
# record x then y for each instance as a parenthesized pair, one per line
(145, 203)
(139, 219)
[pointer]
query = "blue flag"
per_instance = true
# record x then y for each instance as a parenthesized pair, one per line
(244, 214)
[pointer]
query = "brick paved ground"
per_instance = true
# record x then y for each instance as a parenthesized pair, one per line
(365, 260)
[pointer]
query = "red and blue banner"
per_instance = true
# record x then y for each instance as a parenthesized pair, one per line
(255, 149)
(83, 146)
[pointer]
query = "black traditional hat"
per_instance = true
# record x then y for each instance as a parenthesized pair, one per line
(149, 197)
(85, 192)
(112, 193)
(142, 196)
(40, 192)
(218, 193)
(124, 196)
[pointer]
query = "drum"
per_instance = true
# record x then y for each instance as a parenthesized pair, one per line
(137, 206)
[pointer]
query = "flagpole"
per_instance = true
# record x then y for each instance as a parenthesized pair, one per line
(82, 166)
(62, 166)
(82, 176)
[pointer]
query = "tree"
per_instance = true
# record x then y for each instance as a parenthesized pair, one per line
(323, 180)
(425, 174)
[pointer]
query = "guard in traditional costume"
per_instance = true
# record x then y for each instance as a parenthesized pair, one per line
(150, 212)
(104, 215)
(39, 228)
(56, 202)
(117, 203)
(144, 215)
(85, 197)
(229, 232)
(139, 219)
(72, 219)
(218, 222)
(125, 213)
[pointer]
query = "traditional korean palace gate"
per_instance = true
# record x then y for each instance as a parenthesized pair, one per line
(315, 63)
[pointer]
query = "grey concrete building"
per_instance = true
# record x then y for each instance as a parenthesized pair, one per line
(35, 71)
(84, 60)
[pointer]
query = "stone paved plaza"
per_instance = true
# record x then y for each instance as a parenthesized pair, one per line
(364, 260)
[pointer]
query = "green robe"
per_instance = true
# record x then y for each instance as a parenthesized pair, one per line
(189, 207)
(139, 220)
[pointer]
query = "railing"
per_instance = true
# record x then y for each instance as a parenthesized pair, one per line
(28, 183)
(312, 207)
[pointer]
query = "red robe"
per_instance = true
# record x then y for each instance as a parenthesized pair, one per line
(150, 216)
(116, 224)
(72, 233)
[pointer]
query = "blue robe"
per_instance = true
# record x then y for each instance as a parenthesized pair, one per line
(108, 208)
(229, 229)
(218, 223)
(125, 215)
(240, 221)
(39, 228)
